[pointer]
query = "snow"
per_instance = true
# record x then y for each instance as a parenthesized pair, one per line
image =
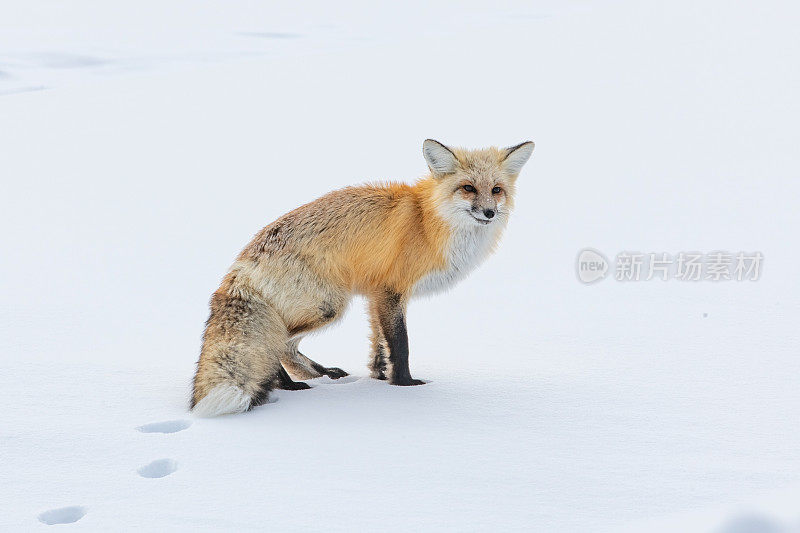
(143, 144)
(158, 468)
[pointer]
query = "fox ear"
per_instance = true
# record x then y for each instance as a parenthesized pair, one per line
(516, 157)
(440, 159)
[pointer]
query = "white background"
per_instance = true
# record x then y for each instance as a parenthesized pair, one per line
(143, 144)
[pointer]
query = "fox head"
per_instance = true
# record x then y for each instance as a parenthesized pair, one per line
(475, 187)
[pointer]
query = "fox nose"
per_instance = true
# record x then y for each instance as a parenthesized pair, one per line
(488, 213)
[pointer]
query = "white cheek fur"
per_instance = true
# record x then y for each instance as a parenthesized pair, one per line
(456, 213)
(470, 243)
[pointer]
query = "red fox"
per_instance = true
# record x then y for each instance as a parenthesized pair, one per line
(388, 242)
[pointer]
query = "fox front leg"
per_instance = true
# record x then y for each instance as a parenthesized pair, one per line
(391, 312)
(378, 350)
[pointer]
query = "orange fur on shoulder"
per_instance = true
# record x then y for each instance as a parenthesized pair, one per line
(407, 241)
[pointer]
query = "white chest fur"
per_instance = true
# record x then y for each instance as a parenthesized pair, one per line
(468, 247)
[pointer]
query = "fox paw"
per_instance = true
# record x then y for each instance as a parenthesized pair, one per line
(377, 372)
(294, 385)
(408, 382)
(335, 373)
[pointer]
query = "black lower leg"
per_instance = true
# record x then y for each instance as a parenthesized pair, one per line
(283, 381)
(378, 363)
(330, 371)
(393, 323)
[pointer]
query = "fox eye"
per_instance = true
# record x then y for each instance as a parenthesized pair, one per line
(469, 188)
(496, 190)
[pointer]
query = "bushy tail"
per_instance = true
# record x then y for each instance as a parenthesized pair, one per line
(223, 400)
(240, 359)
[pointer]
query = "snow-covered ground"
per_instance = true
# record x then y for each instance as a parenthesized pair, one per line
(142, 144)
